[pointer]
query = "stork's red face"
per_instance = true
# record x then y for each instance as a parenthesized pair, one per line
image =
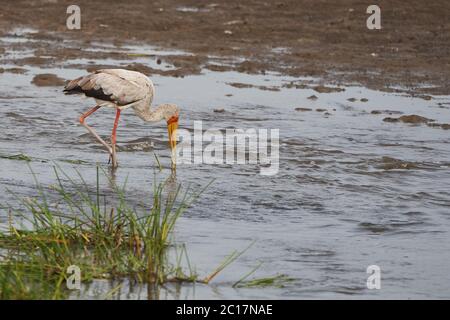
(172, 126)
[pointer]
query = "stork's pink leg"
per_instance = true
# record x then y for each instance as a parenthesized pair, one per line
(114, 139)
(82, 121)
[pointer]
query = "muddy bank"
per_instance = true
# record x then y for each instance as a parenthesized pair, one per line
(414, 120)
(298, 38)
(48, 80)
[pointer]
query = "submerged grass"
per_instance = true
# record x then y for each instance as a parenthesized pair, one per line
(278, 281)
(73, 161)
(20, 156)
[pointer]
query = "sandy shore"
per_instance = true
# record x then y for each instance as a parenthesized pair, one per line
(300, 38)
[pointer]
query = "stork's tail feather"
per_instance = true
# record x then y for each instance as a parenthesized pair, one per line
(87, 86)
(73, 86)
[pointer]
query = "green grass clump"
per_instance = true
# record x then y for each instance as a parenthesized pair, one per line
(104, 242)
(19, 281)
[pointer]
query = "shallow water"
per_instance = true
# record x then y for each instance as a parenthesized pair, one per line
(337, 205)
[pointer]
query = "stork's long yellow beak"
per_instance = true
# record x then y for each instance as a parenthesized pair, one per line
(172, 126)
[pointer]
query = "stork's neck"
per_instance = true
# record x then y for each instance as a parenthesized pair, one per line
(161, 112)
(149, 115)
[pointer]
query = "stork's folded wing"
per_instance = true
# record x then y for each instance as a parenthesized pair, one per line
(107, 85)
